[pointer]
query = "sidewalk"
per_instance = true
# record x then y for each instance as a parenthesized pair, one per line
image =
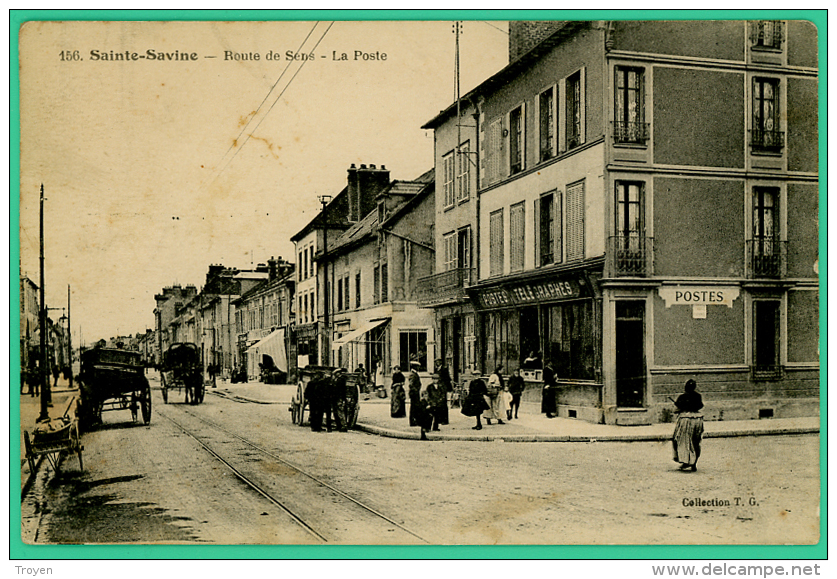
(531, 427)
(30, 410)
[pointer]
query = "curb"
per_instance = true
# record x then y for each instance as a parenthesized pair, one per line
(389, 433)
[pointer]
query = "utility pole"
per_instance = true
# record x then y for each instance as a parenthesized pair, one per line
(326, 355)
(46, 397)
(69, 336)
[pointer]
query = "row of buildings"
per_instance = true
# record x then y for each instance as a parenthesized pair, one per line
(57, 338)
(634, 202)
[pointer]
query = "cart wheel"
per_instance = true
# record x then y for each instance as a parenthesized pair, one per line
(30, 456)
(145, 404)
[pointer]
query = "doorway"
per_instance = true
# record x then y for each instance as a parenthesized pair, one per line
(630, 354)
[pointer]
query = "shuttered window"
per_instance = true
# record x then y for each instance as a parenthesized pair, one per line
(517, 235)
(494, 151)
(463, 178)
(450, 251)
(516, 129)
(448, 177)
(496, 242)
(575, 221)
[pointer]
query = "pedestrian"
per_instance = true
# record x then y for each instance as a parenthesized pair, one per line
(396, 405)
(314, 392)
(516, 388)
(495, 394)
(380, 387)
(689, 429)
(548, 405)
(476, 401)
(447, 387)
(436, 403)
(55, 374)
(414, 392)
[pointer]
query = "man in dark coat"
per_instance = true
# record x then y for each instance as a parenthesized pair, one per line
(314, 393)
(414, 393)
(337, 397)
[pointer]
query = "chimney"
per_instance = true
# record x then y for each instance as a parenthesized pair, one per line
(364, 186)
(272, 268)
(524, 35)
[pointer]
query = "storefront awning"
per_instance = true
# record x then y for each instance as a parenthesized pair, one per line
(356, 335)
(274, 346)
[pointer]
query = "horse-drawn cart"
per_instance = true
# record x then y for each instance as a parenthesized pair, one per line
(113, 379)
(337, 390)
(182, 371)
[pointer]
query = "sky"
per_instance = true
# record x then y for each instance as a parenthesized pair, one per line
(153, 169)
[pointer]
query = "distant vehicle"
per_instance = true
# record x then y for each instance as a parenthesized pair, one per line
(113, 379)
(182, 371)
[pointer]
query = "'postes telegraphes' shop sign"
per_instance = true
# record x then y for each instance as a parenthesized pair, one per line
(529, 293)
(699, 297)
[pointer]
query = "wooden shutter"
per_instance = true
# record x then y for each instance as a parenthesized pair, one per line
(575, 221)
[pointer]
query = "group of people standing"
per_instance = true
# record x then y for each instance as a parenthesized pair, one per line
(428, 404)
(327, 398)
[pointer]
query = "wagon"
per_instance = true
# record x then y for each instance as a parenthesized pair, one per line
(347, 403)
(182, 371)
(53, 439)
(113, 379)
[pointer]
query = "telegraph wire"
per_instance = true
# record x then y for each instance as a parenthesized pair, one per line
(271, 106)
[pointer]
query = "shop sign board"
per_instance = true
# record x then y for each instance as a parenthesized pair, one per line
(529, 293)
(699, 297)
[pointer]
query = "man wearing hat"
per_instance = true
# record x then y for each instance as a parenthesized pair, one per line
(436, 396)
(414, 392)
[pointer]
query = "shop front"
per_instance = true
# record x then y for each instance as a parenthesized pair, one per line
(549, 319)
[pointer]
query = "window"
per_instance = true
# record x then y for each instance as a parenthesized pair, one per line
(304, 306)
(357, 290)
(516, 141)
(384, 283)
(766, 338)
(767, 34)
(448, 173)
(463, 177)
(517, 235)
(376, 284)
(548, 229)
(629, 123)
(575, 112)
(301, 267)
(449, 242)
(346, 302)
(495, 228)
(494, 144)
(413, 344)
(570, 336)
(463, 249)
(629, 242)
(339, 295)
(575, 221)
(765, 135)
(766, 245)
(546, 124)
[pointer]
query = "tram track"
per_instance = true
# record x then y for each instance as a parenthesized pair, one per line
(298, 500)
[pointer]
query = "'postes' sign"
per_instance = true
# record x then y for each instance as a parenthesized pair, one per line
(699, 295)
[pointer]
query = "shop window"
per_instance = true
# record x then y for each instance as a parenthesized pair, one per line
(766, 337)
(517, 235)
(765, 134)
(516, 126)
(575, 221)
(448, 174)
(546, 124)
(571, 338)
(413, 345)
(496, 243)
(502, 339)
(629, 107)
(463, 177)
(575, 109)
(767, 34)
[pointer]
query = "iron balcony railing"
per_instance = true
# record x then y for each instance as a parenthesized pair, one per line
(767, 140)
(447, 286)
(767, 258)
(630, 132)
(630, 255)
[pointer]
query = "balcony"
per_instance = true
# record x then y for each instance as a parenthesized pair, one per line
(767, 258)
(630, 133)
(630, 255)
(446, 287)
(767, 141)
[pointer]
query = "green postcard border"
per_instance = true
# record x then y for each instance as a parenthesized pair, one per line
(18, 550)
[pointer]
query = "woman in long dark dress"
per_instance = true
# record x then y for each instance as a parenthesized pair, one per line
(476, 401)
(447, 386)
(397, 402)
(688, 432)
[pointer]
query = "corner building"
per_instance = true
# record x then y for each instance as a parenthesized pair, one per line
(647, 205)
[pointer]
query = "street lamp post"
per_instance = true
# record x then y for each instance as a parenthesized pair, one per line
(325, 200)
